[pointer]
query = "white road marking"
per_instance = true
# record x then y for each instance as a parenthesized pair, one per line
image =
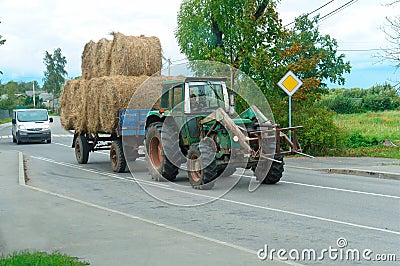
(151, 183)
(223, 243)
(343, 190)
(333, 188)
(231, 201)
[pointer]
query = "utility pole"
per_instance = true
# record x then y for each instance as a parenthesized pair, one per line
(33, 94)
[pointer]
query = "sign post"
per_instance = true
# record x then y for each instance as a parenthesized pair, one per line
(290, 84)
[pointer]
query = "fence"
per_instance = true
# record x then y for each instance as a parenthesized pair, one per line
(5, 114)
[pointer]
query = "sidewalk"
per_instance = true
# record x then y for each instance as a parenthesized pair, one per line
(363, 166)
(38, 220)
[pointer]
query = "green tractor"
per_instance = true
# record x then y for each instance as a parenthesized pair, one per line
(196, 126)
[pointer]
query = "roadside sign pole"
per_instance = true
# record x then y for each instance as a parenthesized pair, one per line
(290, 116)
(290, 84)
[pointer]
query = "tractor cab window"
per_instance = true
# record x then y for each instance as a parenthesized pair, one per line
(205, 96)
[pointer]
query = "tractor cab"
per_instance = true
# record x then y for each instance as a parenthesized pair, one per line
(194, 95)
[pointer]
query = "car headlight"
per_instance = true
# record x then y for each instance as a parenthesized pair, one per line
(46, 127)
(22, 127)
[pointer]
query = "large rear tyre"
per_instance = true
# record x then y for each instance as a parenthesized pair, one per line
(159, 167)
(226, 171)
(82, 149)
(275, 171)
(201, 164)
(117, 158)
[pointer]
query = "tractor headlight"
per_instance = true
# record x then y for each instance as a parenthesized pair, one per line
(235, 138)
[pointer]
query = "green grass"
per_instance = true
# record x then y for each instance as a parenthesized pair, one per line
(372, 126)
(40, 258)
(381, 125)
(6, 120)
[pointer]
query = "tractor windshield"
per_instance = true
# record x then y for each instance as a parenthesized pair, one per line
(205, 95)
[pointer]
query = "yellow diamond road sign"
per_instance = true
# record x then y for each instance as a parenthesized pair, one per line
(290, 83)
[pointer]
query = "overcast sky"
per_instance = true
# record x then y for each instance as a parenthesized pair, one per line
(33, 27)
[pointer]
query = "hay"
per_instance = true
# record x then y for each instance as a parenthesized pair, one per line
(124, 55)
(92, 105)
(69, 104)
(112, 71)
(88, 57)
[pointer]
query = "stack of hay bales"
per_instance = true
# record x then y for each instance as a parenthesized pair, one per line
(112, 71)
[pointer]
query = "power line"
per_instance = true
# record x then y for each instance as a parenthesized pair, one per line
(337, 10)
(312, 12)
(361, 50)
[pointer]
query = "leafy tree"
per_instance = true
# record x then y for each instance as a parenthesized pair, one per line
(392, 31)
(55, 74)
(249, 35)
(11, 102)
(2, 41)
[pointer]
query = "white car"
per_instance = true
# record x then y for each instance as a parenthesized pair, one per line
(30, 125)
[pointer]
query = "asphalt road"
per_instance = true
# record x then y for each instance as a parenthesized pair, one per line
(307, 210)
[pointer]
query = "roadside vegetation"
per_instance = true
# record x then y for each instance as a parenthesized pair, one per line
(6, 120)
(40, 258)
(366, 133)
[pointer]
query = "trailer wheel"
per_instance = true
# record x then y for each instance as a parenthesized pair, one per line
(202, 167)
(82, 149)
(275, 172)
(159, 167)
(117, 158)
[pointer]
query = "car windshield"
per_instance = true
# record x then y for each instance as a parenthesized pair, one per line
(32, 115)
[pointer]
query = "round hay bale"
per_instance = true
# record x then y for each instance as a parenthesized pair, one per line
(67, 114)
(135, 56)
(88, 60)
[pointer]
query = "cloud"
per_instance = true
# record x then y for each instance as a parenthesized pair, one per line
(33, 27)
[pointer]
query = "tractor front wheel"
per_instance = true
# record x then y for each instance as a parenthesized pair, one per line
(275, 172)
(201, 164)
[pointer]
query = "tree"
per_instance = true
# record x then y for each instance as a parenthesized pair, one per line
(392, 31)
(249, 35)
(2, 41)
(54, 76)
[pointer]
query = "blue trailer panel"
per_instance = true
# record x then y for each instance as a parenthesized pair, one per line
(132, 122)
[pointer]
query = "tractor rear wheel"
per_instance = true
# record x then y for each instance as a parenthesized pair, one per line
(159, 167)
(201, 164)
(226, 171)
(275, 171)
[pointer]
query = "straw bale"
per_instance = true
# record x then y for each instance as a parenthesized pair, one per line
(102, 59)
(88, 57)
(135, 55)
(124, 55)
(71, 105)
(92, 105)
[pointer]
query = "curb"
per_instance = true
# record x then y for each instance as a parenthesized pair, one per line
(358, 172)
(21, 174)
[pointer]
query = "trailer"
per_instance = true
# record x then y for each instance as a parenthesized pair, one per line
(130, 128)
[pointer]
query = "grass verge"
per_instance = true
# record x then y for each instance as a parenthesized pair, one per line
(40, 258)
(6, 120)
(366, 132)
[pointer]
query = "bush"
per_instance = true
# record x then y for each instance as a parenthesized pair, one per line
(350, 101)
(320, 135)
(342, 104)
(357, 140)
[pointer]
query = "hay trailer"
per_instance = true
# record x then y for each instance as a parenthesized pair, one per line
(130, 127)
